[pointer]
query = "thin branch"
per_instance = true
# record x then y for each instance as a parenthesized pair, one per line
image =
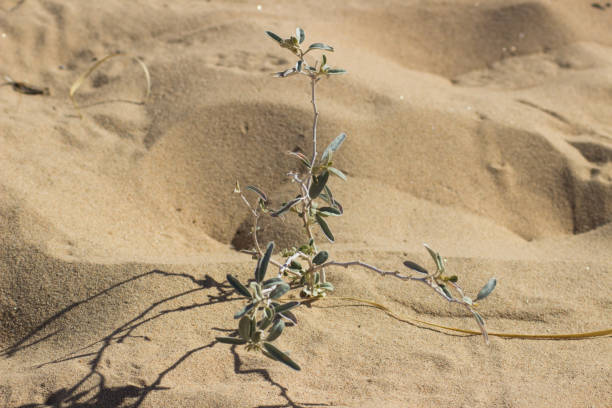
(313, 82)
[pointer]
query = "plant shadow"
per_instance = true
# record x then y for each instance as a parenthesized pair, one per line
(91, 390)
(265, 374)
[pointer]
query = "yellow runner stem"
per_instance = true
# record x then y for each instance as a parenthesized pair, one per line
(385, 309)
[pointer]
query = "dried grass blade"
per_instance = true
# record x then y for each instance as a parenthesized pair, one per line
(77, 84)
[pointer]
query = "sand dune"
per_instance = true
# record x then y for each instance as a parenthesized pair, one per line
(481, 128)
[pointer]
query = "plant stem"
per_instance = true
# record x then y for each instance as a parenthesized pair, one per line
(313, 82)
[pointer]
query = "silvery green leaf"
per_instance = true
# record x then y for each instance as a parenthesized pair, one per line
(286, 207)
(289, 317)
(271, 282)
(286, 73)
(336, 71)
(446, 291)
(478, 317)
(244, 310)
(260, 273)
(280, 290)
(240, 288)
(276, 330)
(244, 327)
(325, 228)
(267, 320)
(286, 306)
(318, 184)
(301, 36)
(320, 46)
(337, 173)
(230, 340)
(301, 157)
(256, 291)
(333, 146)
(280, 356)
(260, 193)
(298, 66)
(467, 300)
(320, 258)
(275, 37)
(327, 286)
(327, 211)
(436, 257)
(486, 289)
(415, 267)
(270, 356)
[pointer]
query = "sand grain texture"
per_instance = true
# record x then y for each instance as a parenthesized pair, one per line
(481, 128)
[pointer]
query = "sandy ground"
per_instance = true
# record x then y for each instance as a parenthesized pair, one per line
(483, 128)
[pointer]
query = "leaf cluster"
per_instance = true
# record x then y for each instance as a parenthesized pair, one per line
(294, 44)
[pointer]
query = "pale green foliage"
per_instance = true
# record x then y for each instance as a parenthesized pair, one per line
(262, 319)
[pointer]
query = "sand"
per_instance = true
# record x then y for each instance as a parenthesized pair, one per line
(482, 128)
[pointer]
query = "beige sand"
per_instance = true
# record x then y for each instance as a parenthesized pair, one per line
(483, 128)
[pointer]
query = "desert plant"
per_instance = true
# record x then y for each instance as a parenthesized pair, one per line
(304, 265)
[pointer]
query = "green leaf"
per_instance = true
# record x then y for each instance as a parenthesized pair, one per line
(230, 340)
(261, 270)
(280, 356)
(478, 317)
(285, 307)
(298, 66)
(256, 289)
(286, 73)
(436, 257)
(333, 147)
(244, 310)
(246, 327)
(320, 46)
(336, 71)
(286, 207)
(300, 35)
(337, 173)
(468, 300)
(260, 193)
(275, 37)
(415, 267)
(267, 320)
(318, 184)
(320, 258)
(446, 291)
(240, 288)
(325, 228)
(280, 290)
(329, 199)
(327, 286)
(323, 60)
(276, 330)
(301, 157)
(271, 282)
(296, 265)
(329, 211)
(486, 289)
